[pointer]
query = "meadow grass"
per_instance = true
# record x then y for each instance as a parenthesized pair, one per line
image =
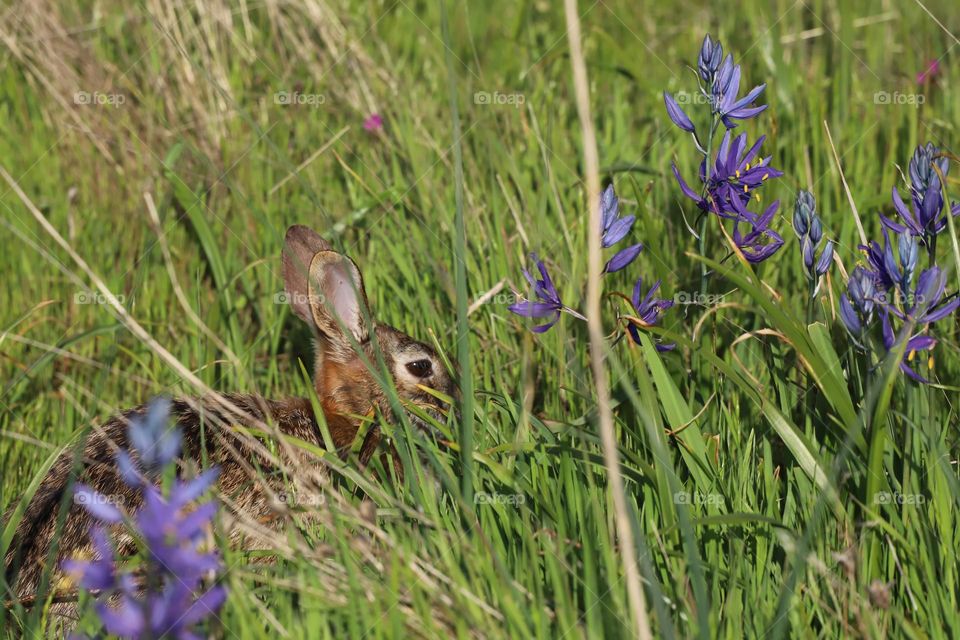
(746, 453)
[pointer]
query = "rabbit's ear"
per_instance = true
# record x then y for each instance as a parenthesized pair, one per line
(299, 247)
(338, 302)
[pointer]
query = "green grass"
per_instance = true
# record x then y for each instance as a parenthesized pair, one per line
(769, 435)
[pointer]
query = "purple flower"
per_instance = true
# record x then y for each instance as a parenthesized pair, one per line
(857, 304)
(924, 217)
(373, 123)
(98, 574)
(806, 224)
(677, 114)
(711, 53)
(734, 177)
(915, 343)
(724, 95)
(547, 304)
(760, 242)
(614, 229)
(647, 310)
(152, 437)
(925, 304)
(879, 260)
(99, 506)
(932, 70)
(164, 603)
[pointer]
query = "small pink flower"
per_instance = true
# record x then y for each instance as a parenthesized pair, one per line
(373, 123)
(933, 69)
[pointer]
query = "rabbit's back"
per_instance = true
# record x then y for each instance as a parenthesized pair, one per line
(94, 464)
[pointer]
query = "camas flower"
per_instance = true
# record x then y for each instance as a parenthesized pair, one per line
(708, 63)
(547, 303)
(724, 92)
(877, 258)
(857, 304)
(677, 114)
(154, 440)
(892, 271)
(614, 229)
(720, 85)
(165, 602)
(734, 177)
(760, 241)
(915, 344)
(648, 310)
(926, 304)
(924, 218)
(806, 224)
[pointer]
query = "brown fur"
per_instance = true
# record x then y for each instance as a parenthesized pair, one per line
(345, 387)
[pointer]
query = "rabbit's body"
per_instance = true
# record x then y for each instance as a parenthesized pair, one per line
(326, 290)
(94, 465)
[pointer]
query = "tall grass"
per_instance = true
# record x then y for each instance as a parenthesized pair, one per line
(745, 455)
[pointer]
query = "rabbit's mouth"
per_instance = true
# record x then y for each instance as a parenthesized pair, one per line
(429, 417)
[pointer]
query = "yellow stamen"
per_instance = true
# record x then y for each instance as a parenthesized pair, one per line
(744, 188)
(930, 363)
(738, 173)
(765, 176)
(911, 355)
(748, 166)
(757, 196)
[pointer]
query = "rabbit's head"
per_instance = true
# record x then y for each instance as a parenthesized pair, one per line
(325, 289)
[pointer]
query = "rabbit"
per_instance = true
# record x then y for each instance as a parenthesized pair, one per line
(325, 290)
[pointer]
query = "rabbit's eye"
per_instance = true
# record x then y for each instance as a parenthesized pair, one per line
(420, 368)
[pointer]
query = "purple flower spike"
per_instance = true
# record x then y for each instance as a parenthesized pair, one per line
(677, 115)
(711, 54)
(152, 437)
(165, 605)
(924, 218)
(614, 229)
(648, 310)
(549, 304)
(724, 92)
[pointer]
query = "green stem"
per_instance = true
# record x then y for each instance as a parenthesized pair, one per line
(702, 240)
